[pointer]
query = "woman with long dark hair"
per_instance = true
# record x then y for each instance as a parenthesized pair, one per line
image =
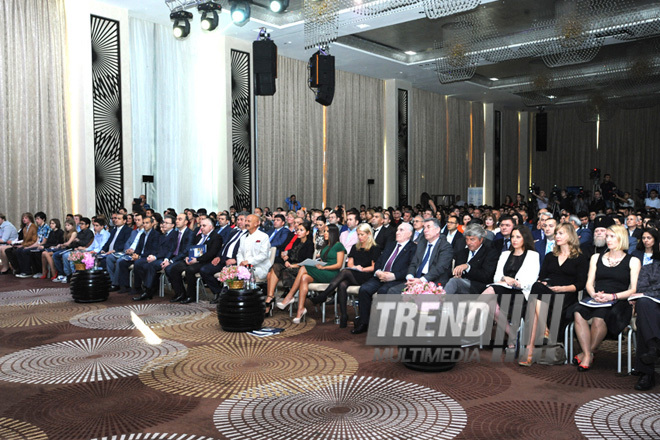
(333, 255)
(648, 246)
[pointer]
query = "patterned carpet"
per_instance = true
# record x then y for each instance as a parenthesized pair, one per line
(82, 371)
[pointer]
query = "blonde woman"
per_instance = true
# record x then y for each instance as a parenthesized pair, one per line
(612, 279)
(360, 267)
(563, 274)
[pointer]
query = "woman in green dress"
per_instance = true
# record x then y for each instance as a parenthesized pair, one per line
(333, 255)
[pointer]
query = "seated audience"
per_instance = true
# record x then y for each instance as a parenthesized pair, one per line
(333, 255)
(360, 267)
(563, 274)
(612, 279)
(474, 265)
(349, 237)
(84, 239)
(34, 265)
(29, 236)
(547, 243)
(502, 240)
(254, 250)
(111, 261)
(68, 238)
(145, 267)
(285, 268)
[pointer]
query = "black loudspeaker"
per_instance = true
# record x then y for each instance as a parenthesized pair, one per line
(541, 132)
(265, 67)
(322, 77)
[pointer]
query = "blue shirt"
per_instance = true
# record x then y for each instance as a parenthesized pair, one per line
(42, 233)
(99, 241)
(8, 232)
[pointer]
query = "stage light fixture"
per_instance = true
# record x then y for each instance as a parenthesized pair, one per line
(181, 19)
(240, 12)
(209, 11)
(279, 5)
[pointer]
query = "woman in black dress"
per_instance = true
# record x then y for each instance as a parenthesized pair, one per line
(285, 267)
(360, 267)
(563, 273)
(612, 279)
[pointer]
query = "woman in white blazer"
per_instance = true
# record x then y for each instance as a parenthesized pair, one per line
(517, 270)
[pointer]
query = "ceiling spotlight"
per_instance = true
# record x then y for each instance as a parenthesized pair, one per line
(240, 12)
(210, 11)
(181, 21)
(279, 5)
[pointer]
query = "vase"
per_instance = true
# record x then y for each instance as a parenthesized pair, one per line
(241, 310)
(89, 286)
(236, 284)
(79, 266)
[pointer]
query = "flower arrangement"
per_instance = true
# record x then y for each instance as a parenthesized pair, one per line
(234, 273)
(419, 287)
(80, 257)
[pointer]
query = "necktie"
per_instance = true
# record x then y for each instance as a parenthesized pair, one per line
(178, 243)
(390, 262)
(202, 240)
(376, 233)
(506, 244)
(112, 244)
(424, 261)
(471, 255)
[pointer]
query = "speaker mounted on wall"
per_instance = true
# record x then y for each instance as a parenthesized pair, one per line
(265, 67)
(322, 77)
(542, 131)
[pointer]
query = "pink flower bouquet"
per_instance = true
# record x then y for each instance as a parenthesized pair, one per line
(233, 273)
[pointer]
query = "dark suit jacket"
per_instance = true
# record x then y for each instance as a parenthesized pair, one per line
(124, 233)
(540, 248)
(439, 263)
(401, 262)
(385, 237)
(225, 233)
(213, 246)
(498, 242)
(482, 266)
(151, 243)
(278, 238)
(637, 233)
(167, 244)
(537, 234)
(184, 246)
(585, 235)
(458, 243)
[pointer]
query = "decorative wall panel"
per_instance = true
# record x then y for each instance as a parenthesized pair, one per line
(241, 110)
(106, 87)
(402, 146)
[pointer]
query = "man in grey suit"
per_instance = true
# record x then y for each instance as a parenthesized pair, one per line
(432, 260)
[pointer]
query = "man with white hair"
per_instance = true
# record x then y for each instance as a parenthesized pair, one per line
(475, 264)
(584, 234)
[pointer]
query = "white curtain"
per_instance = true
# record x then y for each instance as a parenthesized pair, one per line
(170, 138)
(33, 140)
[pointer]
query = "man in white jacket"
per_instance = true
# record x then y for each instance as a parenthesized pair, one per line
(255, 248)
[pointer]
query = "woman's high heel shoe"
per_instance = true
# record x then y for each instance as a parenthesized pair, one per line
(576, 360)
(269, 306)
(584, 367)
(282, 305)
(302, 317)
(529, 361)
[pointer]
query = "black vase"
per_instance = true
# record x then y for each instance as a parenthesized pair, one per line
(241, 310)
(417, 358)
(88, 286)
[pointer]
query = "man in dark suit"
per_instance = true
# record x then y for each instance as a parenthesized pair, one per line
(147, 265)
(279, 235)
(432, 260)
(633, 230)
(502, 240)
(184, 237)
(191, 266)
(224, 229)
(226, 256)
(453, 235)
(548, 242)
(391, 269)
(382, 235)
(418, 228)
(118, 235)
(475, 264)
(147, 245)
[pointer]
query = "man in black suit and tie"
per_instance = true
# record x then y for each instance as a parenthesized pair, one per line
(475, 264)
(184, 237)
(391, 269)
(546, 244)
(418, 228)
(145, 268)
(224, 229)
(502, 240)
(432, 260)
(226, 256)
(147, 245)
(382, 235)
(118, 235)
(191, 266)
